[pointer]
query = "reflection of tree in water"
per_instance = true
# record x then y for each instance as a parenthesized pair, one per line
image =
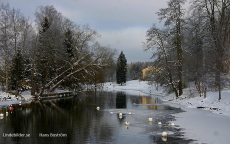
(121, 100)
(74, 117)
(35, 118)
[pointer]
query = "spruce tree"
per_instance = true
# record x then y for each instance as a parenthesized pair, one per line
(45, 25)
(68, 44)
(121, 69)
(16, 73)
(46, 53)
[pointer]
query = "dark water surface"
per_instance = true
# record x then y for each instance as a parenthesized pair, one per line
(77, 121)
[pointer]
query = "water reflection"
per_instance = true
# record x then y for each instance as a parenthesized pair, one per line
(152, 103)
(121, 100)
(78, 121)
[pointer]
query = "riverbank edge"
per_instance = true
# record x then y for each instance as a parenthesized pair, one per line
(25, 97)
(189, 99)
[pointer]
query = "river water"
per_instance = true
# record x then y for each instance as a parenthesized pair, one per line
(76, 120)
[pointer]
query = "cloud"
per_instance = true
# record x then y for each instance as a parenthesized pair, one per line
(129, 41)
(122, 24)
(111, 14)
(100, 14)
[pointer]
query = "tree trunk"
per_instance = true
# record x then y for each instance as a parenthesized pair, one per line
(179, 55)
(219, 93)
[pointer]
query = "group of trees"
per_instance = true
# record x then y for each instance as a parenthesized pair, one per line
(131, 71)
(134, 69)
(50, 52)
(193, 46)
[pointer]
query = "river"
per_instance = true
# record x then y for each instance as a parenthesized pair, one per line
(76, 120)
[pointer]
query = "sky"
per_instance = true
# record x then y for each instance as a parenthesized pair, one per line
(122, 24)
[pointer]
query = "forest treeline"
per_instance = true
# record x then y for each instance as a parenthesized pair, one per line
(192, 46)
(134, 70)
(50, 52)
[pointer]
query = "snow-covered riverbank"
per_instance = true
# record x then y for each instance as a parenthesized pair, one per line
(204, 126)
(7, 99)
(190, 98)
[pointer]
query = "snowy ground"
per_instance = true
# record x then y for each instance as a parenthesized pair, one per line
(202, 125)
(24, 97)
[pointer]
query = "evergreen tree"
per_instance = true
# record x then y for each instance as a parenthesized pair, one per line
(45, 25)
(46, 53)
(68, 49)
(16, 73)
(68, 44)
(121, 69)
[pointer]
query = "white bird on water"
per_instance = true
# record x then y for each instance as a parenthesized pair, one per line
(164, 134)
(130, 113)
(98, 108)
(150, 119)
(171, 124)
(120, 115)
(127, 123)
(159, 123)
(1, 115)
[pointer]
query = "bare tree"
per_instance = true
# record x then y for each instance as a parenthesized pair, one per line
(5, 42)
(196, 59)
(13, 28)
(217, 12)
(157, 40)
(173, 16)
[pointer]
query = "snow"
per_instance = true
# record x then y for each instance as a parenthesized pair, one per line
(133, 87)
(211, 102)
(25, 97)
(202, 125)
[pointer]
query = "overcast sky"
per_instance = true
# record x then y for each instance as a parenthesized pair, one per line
(122, 24)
